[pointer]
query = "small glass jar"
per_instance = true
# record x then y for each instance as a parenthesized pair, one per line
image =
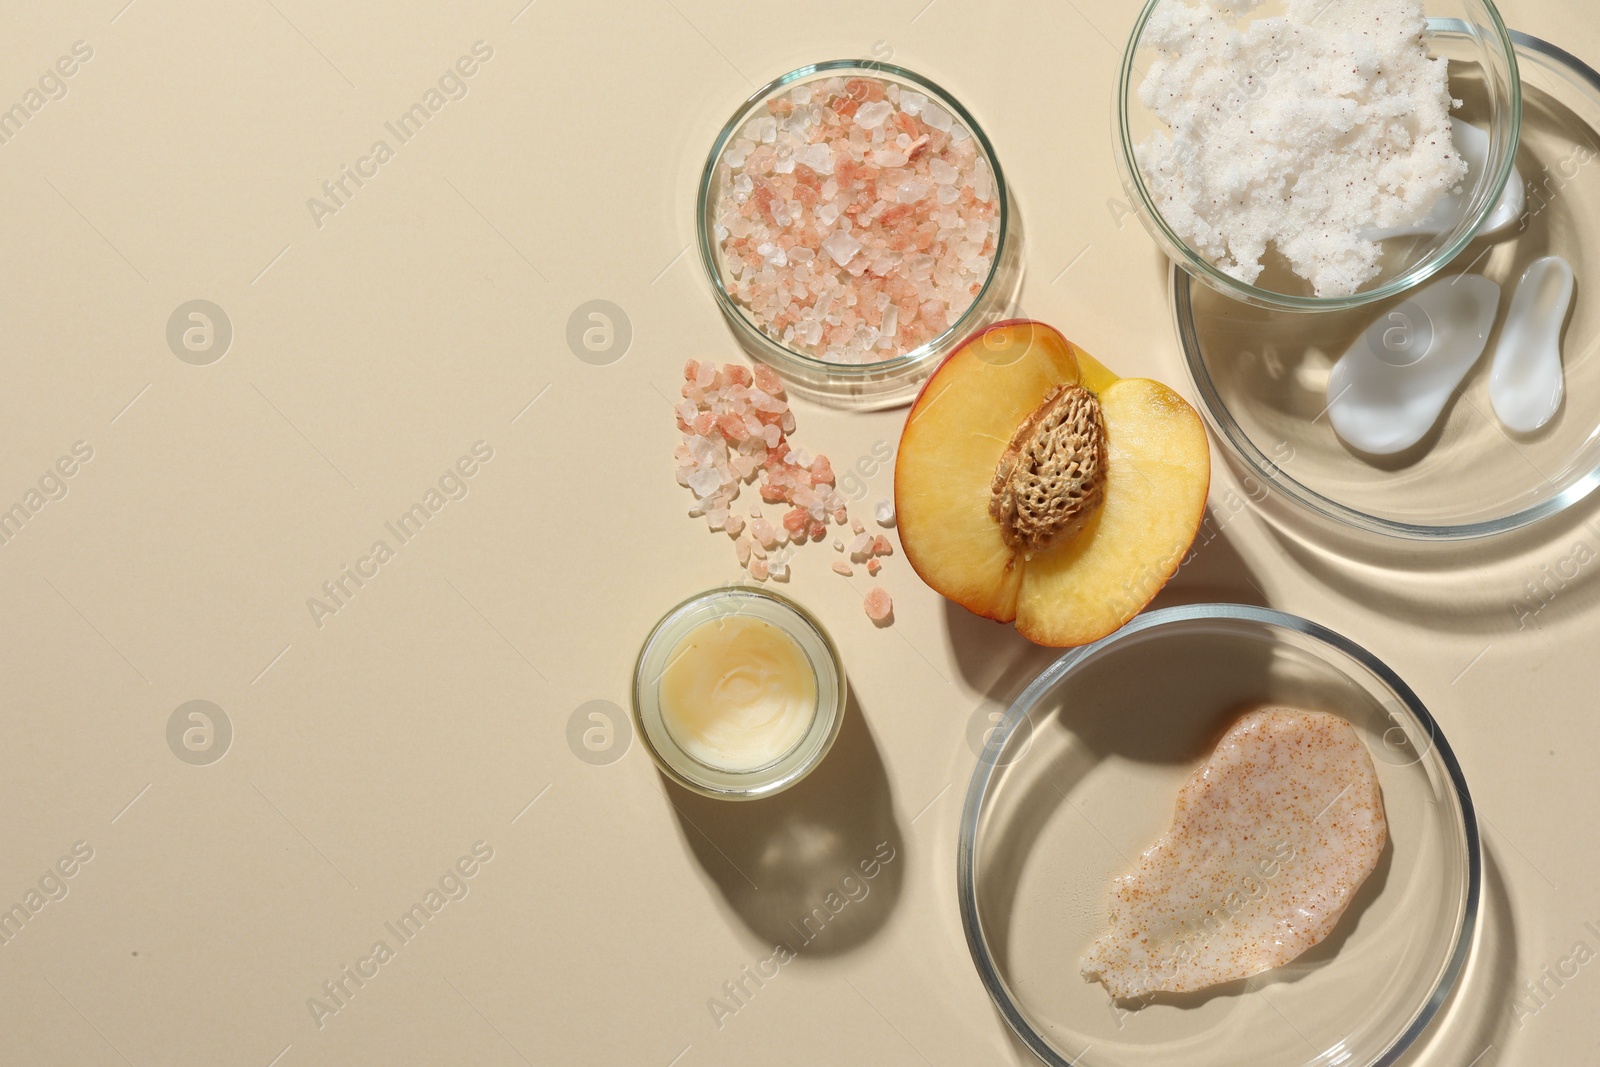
(887, 382)
(815, 649)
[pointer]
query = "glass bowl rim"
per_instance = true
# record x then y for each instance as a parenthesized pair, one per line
(777, 352)
(1133, 180)
(764, 788)
(1226, 426)
(982, 776)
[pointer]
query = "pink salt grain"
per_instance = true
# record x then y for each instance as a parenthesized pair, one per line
(856, 220)
(874, 566)
(734, 421)
(758, 569)
(841, 567)
(877, 604)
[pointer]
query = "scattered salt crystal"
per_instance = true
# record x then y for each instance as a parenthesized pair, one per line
(841, 567)
(778, 570)
(856, 525)
(877, 604)
(758, 571)
(874, 565)
(704, 482)
(838, 545)
(883, 511)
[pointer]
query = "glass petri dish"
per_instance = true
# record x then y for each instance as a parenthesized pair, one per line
(800, 758)
(1081, 775)
(1261, 375)
(1483, 73)
(887, 382)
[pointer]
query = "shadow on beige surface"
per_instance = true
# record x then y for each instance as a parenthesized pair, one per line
(818, 867)
(1474, 1025)
(1524, 580)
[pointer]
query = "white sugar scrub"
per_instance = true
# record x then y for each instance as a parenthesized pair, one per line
(1310, 130)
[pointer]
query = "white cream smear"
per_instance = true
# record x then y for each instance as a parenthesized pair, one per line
(1525, 379)
(1386, 392)
(1271, 839)
(1308, 130)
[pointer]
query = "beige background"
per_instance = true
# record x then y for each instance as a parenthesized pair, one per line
(372, 752)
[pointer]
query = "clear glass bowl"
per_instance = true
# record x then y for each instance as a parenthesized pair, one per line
(1483, 73)
(1261, 374)
(791, 766)
(888, 382)
(1081, 775)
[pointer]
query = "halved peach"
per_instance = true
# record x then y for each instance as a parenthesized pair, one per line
(1034, 485)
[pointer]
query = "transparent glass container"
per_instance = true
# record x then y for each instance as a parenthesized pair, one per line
(789, 767)
(1081, 776)
(1261, 374)
(889, 382)
(1483, 73)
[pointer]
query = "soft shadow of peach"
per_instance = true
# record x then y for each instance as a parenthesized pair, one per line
(999, 662)
(818, 867)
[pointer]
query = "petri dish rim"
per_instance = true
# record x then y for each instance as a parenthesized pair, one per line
(1150, 214)
(915, 364)
(801, 758)
(1227, 427)
(978, 792)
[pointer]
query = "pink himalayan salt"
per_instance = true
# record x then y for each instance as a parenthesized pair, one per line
(881, 546)
(856, 219)
(758, 570)
(877, 604)
(734, 421)
(841, 567)
(874, 566)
